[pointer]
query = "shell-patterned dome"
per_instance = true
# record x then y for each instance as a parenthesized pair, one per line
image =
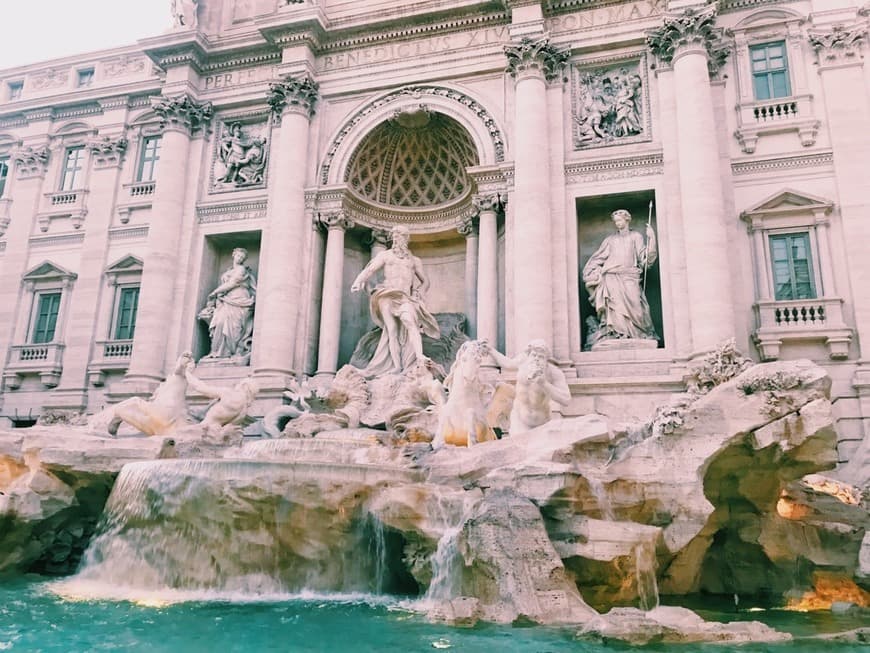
(416, 159)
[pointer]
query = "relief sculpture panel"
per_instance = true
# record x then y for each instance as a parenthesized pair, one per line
(240, 157)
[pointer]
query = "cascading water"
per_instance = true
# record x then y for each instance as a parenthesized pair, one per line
(236, 526)
(596, 486)
(448, 513)
(645, 570)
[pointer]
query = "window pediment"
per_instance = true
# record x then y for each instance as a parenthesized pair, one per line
(789, 203)
(126, 264)
(49, 272)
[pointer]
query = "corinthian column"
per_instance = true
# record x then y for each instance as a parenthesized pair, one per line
(281, 276)
(181, 117)
(533, 63)
(691, 44)
(488, 207)
(468, 229)
(330, 306)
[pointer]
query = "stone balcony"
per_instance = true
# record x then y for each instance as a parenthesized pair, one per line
(139, 194)
(802, 320)
(760, 118)
(45, 360)
(109, 356)
(63, 204)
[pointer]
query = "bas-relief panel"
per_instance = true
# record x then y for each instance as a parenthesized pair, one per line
(240, 156)
(610, 103)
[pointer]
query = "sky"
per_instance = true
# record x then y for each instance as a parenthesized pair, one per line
(37, 30)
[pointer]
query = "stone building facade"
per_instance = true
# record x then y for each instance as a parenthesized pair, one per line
(502, 133)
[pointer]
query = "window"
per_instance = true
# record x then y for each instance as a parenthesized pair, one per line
(47, 309)
(125, 317)
(72, 168)
(4, 173)
(15, 90)
(792, 267)
(85, 77)
(769, 71)
(149, 158)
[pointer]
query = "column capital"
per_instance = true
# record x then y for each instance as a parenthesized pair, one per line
(693, 28)
(182, 113)
(108, 152)
(380, 237)
(841, 44)
(532, 57)
(494, 202)
(467, 226)
(31, 162)
(335, 220)
(293, 95)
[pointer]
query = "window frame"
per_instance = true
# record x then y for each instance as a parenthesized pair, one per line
(14, 90)
(5, 164)
(80, 73)
(77, 172)
(36, 312)
(144, 158)
(812, 263)
(768, 73)
(117, 307)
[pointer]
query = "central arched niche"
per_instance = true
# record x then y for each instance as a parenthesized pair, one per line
(410, 169)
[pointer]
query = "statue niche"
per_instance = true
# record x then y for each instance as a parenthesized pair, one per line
(229, 313)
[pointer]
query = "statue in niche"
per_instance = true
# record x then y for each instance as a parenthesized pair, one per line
(397, 307)
(230, 312)
(610, 106)
(539, 381)
(243, 157)
(613, 276)
(184, 13)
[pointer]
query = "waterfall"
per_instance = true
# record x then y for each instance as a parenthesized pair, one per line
(645, 571)
(596, 486)
(237, 526)
(448, 514)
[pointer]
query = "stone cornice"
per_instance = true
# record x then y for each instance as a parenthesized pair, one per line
(760, 166)
(530, 56)
(841, 44)
(693, 27)
(108, 152)
(615, 168)
(293, 94)
(229, 211)
(182, 112)
(188, 48)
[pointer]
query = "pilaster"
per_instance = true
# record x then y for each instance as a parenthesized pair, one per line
(336, 225)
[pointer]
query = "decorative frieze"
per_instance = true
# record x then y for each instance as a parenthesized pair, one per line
(30, 162)
(532, 56)
(107, 152)
(293, 94)
(614, 168)
(182, 112)
(124, 65)
(840, 44)
(240, 157)
(694, 27)
(212, 213)
(49, 79)
(610, 105)
(467, 227)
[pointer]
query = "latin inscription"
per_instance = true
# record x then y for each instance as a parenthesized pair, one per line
(605, 16)
(238, 78)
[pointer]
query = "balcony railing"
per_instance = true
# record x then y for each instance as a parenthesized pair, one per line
(110, 356)
(757, 118)
(141, 188)
(46, 360)
(115, 349)
(805, 319)
(63, 204)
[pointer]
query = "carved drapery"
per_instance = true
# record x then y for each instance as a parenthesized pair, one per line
(182, 112)
(108, 152)
(840, 44)
(530, 56)
(691, 28)
(298, 94)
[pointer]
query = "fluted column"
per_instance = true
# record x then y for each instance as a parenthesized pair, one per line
(533, 63)
(691, 44)
(107, 156)
(468, 229)
(23, 188)
(333, 289)
(181, 118)
(281, 274)
(488, 207)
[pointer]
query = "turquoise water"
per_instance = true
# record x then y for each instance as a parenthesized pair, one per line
(32, 618)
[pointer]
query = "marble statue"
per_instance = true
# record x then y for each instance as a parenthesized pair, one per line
(230, 312)
(463, 419)
(397, 307)
(613, 276)
(164, 412)
(184, 13)
(229, 408)
(417, 402)
(539, 382)
(244, 158)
